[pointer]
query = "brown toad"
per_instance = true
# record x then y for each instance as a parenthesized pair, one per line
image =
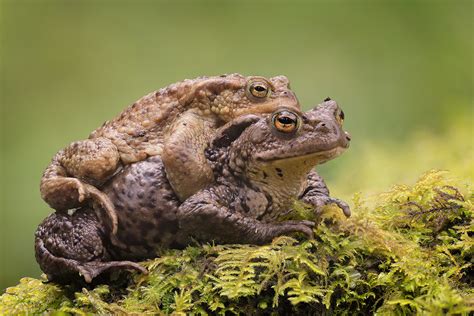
(261, 165)
(174, 123)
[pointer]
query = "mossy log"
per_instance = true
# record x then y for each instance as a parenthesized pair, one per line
(405, 251)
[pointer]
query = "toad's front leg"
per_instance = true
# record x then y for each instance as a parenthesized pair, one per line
(316, 193)
(187, 169)
(203, 218)
(70, 246)
(71, 178)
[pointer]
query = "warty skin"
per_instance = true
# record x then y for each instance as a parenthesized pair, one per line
(175, 123)
(258, 169)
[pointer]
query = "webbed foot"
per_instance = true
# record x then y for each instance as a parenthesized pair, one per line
(90, 270)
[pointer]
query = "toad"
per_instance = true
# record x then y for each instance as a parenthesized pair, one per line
(174, 123)
(261, 164)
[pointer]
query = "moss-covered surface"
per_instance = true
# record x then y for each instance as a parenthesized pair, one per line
(405, 251)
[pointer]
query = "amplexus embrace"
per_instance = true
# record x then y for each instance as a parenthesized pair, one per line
(250, 152)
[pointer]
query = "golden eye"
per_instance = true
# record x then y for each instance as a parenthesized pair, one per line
(340, 117)
(258, 89)
(286, 121)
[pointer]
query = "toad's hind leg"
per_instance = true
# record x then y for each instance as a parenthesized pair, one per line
(71, 178)
(186, 166)
(70, 246)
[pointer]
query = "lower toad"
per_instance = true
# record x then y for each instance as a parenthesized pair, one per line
(261, 164)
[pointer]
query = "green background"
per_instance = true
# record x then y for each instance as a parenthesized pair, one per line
(401, 70)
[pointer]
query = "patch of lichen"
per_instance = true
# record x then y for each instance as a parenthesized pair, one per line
(408, 250)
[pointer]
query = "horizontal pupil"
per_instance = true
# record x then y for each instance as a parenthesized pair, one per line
(259, 88)
(285, 120)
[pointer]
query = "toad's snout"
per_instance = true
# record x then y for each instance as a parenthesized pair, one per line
(346, 140)
(327, 119)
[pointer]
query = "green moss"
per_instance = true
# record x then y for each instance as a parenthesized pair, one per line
(408, 250)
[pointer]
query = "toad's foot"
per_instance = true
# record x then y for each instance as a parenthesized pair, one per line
(341, 204)
(73, 189)
(318, 201)
(305, 227)
(100, 199)
(316, 194)
(67, 246)
(90, 270)
(70, 269)
(75, 173)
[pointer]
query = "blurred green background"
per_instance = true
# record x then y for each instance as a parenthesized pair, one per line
(401, 70)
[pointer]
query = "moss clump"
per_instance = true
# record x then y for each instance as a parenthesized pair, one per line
(408, 250)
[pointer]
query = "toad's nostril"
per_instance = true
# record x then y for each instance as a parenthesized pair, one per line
(348, 136)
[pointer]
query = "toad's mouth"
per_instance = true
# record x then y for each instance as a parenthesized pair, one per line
(316, 157)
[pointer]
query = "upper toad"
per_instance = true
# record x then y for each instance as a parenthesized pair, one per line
(175, 123)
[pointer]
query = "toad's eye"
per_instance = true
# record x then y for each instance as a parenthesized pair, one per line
(286, 121)
(258, 89)
(340, 117)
